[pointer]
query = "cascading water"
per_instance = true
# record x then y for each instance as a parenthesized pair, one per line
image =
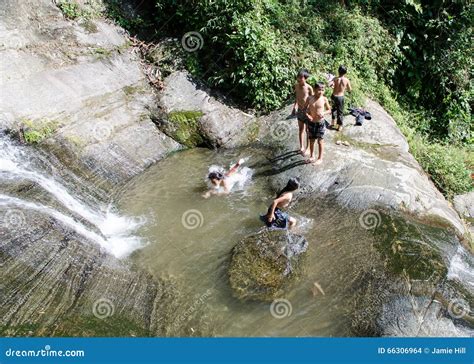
(113, 232)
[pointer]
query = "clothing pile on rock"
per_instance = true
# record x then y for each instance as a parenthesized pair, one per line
(360, 115)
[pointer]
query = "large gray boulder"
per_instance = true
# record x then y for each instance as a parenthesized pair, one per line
(376, 169)
(218, 125)
(464, 205)
(80, 86)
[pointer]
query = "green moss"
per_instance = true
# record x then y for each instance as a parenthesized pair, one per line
(88, 325)
(72, 10)
(186, 128)
(75, 140)
(89, 26)
(101, 52)
(130, 90)
(20, 330)
(36, 131)
(258, 269)
(253, 131)
(409, 249)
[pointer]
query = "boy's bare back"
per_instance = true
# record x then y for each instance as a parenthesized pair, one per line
(340, 85)
(302, 94)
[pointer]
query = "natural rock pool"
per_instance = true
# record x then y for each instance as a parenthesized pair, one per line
(191, 238)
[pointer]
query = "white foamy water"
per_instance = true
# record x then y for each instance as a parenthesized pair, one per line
(238, 180)
(116, 230)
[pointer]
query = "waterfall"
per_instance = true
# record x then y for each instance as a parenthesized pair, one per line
(17, 163)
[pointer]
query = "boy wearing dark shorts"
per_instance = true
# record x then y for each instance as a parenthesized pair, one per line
(318, 107)
(341, 83)
(302, 91)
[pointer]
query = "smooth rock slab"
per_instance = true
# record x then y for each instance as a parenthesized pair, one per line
(264, 264)
(221, 125)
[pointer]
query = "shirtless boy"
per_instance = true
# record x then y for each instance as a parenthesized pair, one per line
(318, 107)
(302, 91)
(341, 83)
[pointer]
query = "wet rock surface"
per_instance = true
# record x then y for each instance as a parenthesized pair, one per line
(375, 170)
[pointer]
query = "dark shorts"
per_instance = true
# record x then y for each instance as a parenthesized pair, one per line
(280, 222)
(337, 109)
(301, 116)
(316, 130)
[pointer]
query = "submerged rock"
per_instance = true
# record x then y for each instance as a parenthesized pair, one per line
(264, 264)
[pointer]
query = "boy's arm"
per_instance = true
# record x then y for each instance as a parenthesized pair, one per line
(327, 106)
(295, 106)
(234, 168)
(306, 107)
(349, 87)
(271, 213)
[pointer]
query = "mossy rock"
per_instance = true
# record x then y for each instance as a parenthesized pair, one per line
(264, 264)
(35, 131)
(184, 127)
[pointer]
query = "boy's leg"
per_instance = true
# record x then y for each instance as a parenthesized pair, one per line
(340, 113)
(320, 151)
(292, 222)
(311, 151)
(333, 112)
(307, 139)
(301, 131)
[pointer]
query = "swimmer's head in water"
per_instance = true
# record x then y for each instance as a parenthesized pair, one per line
(215, 178)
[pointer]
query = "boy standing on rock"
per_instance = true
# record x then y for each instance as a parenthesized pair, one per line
(318, 106)
(341, 83)
(303, 91)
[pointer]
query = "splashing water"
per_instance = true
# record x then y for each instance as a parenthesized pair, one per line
(17, 164)
(238, 179)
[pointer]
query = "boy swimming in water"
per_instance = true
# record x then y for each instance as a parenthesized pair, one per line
(302, 91)
(220, 181)
(341, 83)
(275, 217)
(317, 107)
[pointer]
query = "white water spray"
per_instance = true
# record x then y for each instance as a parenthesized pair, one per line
(116, 230)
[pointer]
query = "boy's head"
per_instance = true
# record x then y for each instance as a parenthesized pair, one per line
(215, 178)
(319, 89)
(302, 76)
(342, 70)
